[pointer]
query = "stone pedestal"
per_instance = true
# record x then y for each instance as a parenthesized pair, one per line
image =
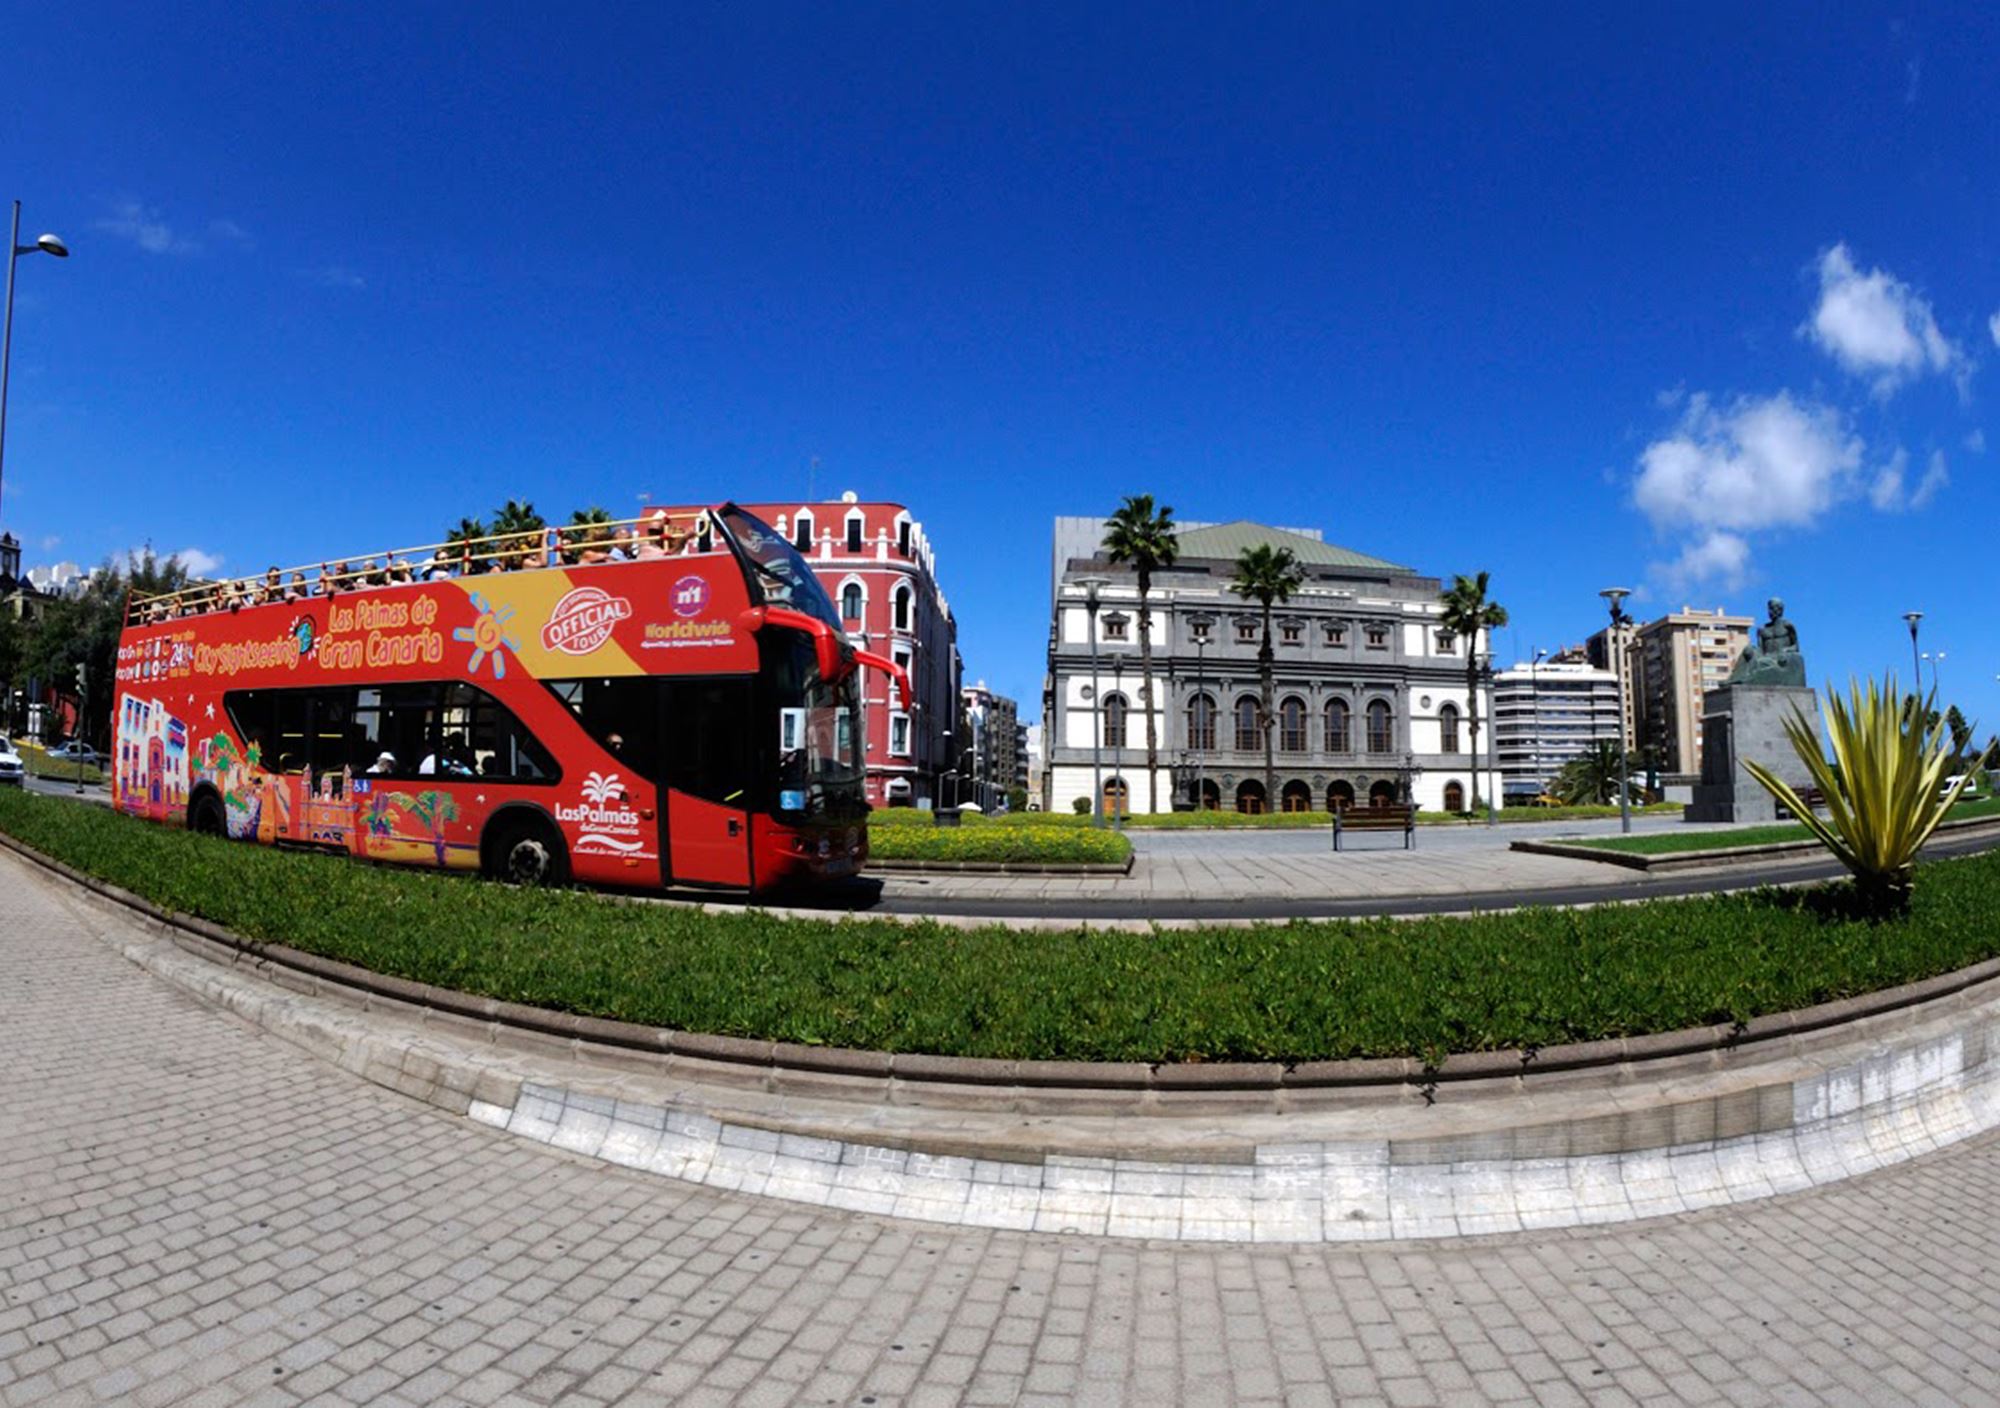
(1748, 721)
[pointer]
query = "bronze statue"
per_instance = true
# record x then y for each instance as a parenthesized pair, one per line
(1775, 658)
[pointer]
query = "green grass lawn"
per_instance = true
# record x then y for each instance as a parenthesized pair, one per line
(39, 764)
(1668, 843)
(1290, 992)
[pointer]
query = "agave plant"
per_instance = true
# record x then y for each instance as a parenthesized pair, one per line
(1883, 787)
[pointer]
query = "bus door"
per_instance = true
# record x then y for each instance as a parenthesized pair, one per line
(711, 784)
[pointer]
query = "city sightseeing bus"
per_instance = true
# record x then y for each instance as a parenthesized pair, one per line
(534, 706)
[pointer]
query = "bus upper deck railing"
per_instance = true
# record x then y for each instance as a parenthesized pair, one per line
(655, 534)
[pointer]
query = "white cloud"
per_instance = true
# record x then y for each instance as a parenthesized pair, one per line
(1936, 476)
(336, 276)
(1877, 326)
(198, 562)
(146, 228)
(1887, 494)
(1975, 441)
(1993, 327)
(1717, 557)
(229, 232)
(1758, 463)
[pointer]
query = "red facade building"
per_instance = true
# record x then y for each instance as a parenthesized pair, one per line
(878, 566)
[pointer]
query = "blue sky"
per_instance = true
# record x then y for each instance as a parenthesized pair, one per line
(1689, 299)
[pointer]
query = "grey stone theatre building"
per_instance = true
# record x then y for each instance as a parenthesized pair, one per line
(1370, 697)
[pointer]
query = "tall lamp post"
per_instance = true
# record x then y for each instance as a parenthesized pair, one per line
(1616, 596)
(1091, 587)
(1485, 659)
(1201, 623)
(1916, 661)
(1535, 721)
(46, 244)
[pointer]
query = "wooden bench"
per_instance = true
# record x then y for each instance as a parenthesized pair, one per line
(1811, 796)
(1397, 816)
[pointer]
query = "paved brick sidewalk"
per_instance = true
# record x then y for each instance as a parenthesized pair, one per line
(192, 1211)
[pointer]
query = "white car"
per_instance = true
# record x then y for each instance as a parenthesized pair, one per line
(12, 770)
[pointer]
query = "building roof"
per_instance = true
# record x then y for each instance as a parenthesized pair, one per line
(1226, 541)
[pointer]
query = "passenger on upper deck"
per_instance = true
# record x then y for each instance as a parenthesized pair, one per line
(298, 590)
(273, 587)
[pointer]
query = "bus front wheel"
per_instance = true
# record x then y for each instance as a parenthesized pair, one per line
(527, 853)
(206, 817)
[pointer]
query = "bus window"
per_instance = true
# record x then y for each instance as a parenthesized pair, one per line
(292, 732)
(251, 711)
(708, 741)
(395, 719)
(481, 737)
(622, 714)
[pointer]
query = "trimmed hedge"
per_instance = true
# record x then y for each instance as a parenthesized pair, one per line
(39, 764)
(1018, 845)
(1302, 991)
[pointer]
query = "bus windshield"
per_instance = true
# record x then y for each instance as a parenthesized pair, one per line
(780, 576)
(819, 768)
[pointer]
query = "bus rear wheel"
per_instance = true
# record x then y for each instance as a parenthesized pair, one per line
(527, 853)
(205, 816)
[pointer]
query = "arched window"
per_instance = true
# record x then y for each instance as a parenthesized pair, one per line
(1454, 796)
(902, 607)
(850, 602)
(1339, 796)
(1296, 796)
(1117, 797)
(1115, 709)
(1337, 740)
(1246, 725)
(1250, 796)
(1381, 733)
(802, 532)
(1211, 795)
(1448, 732)
(1382, 793)
(1292, 725)
(1201, 723)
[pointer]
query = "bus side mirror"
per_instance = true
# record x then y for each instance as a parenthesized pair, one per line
(827, 644)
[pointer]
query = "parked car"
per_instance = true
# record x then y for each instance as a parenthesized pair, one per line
(75, 751)
(12, 771)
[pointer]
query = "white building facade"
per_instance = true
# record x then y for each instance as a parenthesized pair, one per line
(1369, 704)
(1547, 715)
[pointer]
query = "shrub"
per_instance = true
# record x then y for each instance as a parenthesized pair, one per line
(1022, 844)
(1883, 788)
(1081, 806)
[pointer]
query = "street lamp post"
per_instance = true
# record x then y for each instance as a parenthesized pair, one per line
(1091, 587)
(46, 244)
(1535, 720)
(1916, 661)
(1485, 659)
(1201, 623)
(1616, 596)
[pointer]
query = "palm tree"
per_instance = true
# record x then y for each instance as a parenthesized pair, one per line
(1267, 574)
(1149, 541)
(517, 525)
(469, 530)
(1590, 778)
(1467, 612)
(587, 528)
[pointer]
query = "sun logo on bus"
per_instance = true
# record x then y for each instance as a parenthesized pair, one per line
(488, 635)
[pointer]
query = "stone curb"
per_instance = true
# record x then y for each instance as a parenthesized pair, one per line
(1719, 855)
(1259, 1080)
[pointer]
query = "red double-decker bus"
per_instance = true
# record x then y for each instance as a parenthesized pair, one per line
(665, 702)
